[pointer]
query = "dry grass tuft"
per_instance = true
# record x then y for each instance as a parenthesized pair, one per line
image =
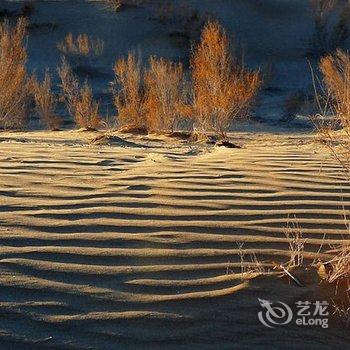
(337, 274)
(341, 265)
(82, 45)
(45, 102)
(14, 86)
(296, 244)
(129, 100)
(164, 103)
(223, 89)
(78, 50)
(251, 268)
(79, 99)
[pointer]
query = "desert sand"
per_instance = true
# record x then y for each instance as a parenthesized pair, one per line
(135, 242)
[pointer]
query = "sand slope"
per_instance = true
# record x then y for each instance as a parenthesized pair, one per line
(135, 245)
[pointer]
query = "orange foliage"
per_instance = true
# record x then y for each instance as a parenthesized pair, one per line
(164, 99)
(336, 75)
(82, 45)
(45, 102)
(129, 101)
(14, 83)
(223, 89)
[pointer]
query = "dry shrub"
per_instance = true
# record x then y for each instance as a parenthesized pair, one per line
(334, 105)
(69, 86)
(81, 48)
(340, 265)
(333, 122)
(333, 125)
(45, 102)
(296, 244)
(336, 76)
(79, 99)
(87, 115)
(14, 89)
(164, 98)
(251, 268)
(129, 100)
(329, 34)
(223, 89)
(81, 45)
(337, 274)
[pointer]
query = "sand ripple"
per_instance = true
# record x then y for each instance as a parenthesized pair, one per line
(117, 247)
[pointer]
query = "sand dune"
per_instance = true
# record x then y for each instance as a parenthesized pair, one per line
(136, 245)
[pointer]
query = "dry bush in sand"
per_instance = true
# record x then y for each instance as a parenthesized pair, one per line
(78, 99)
(14, 86)
(336, 76)
(87, 110)
(164, 83)
(333, 125)
(330, 33)
(337, 273)
(80, 49)
(296, 244)
(253, 266)
(340, 265)
(129, 100)
(45, 102)
(334, 104)
(223, 90)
